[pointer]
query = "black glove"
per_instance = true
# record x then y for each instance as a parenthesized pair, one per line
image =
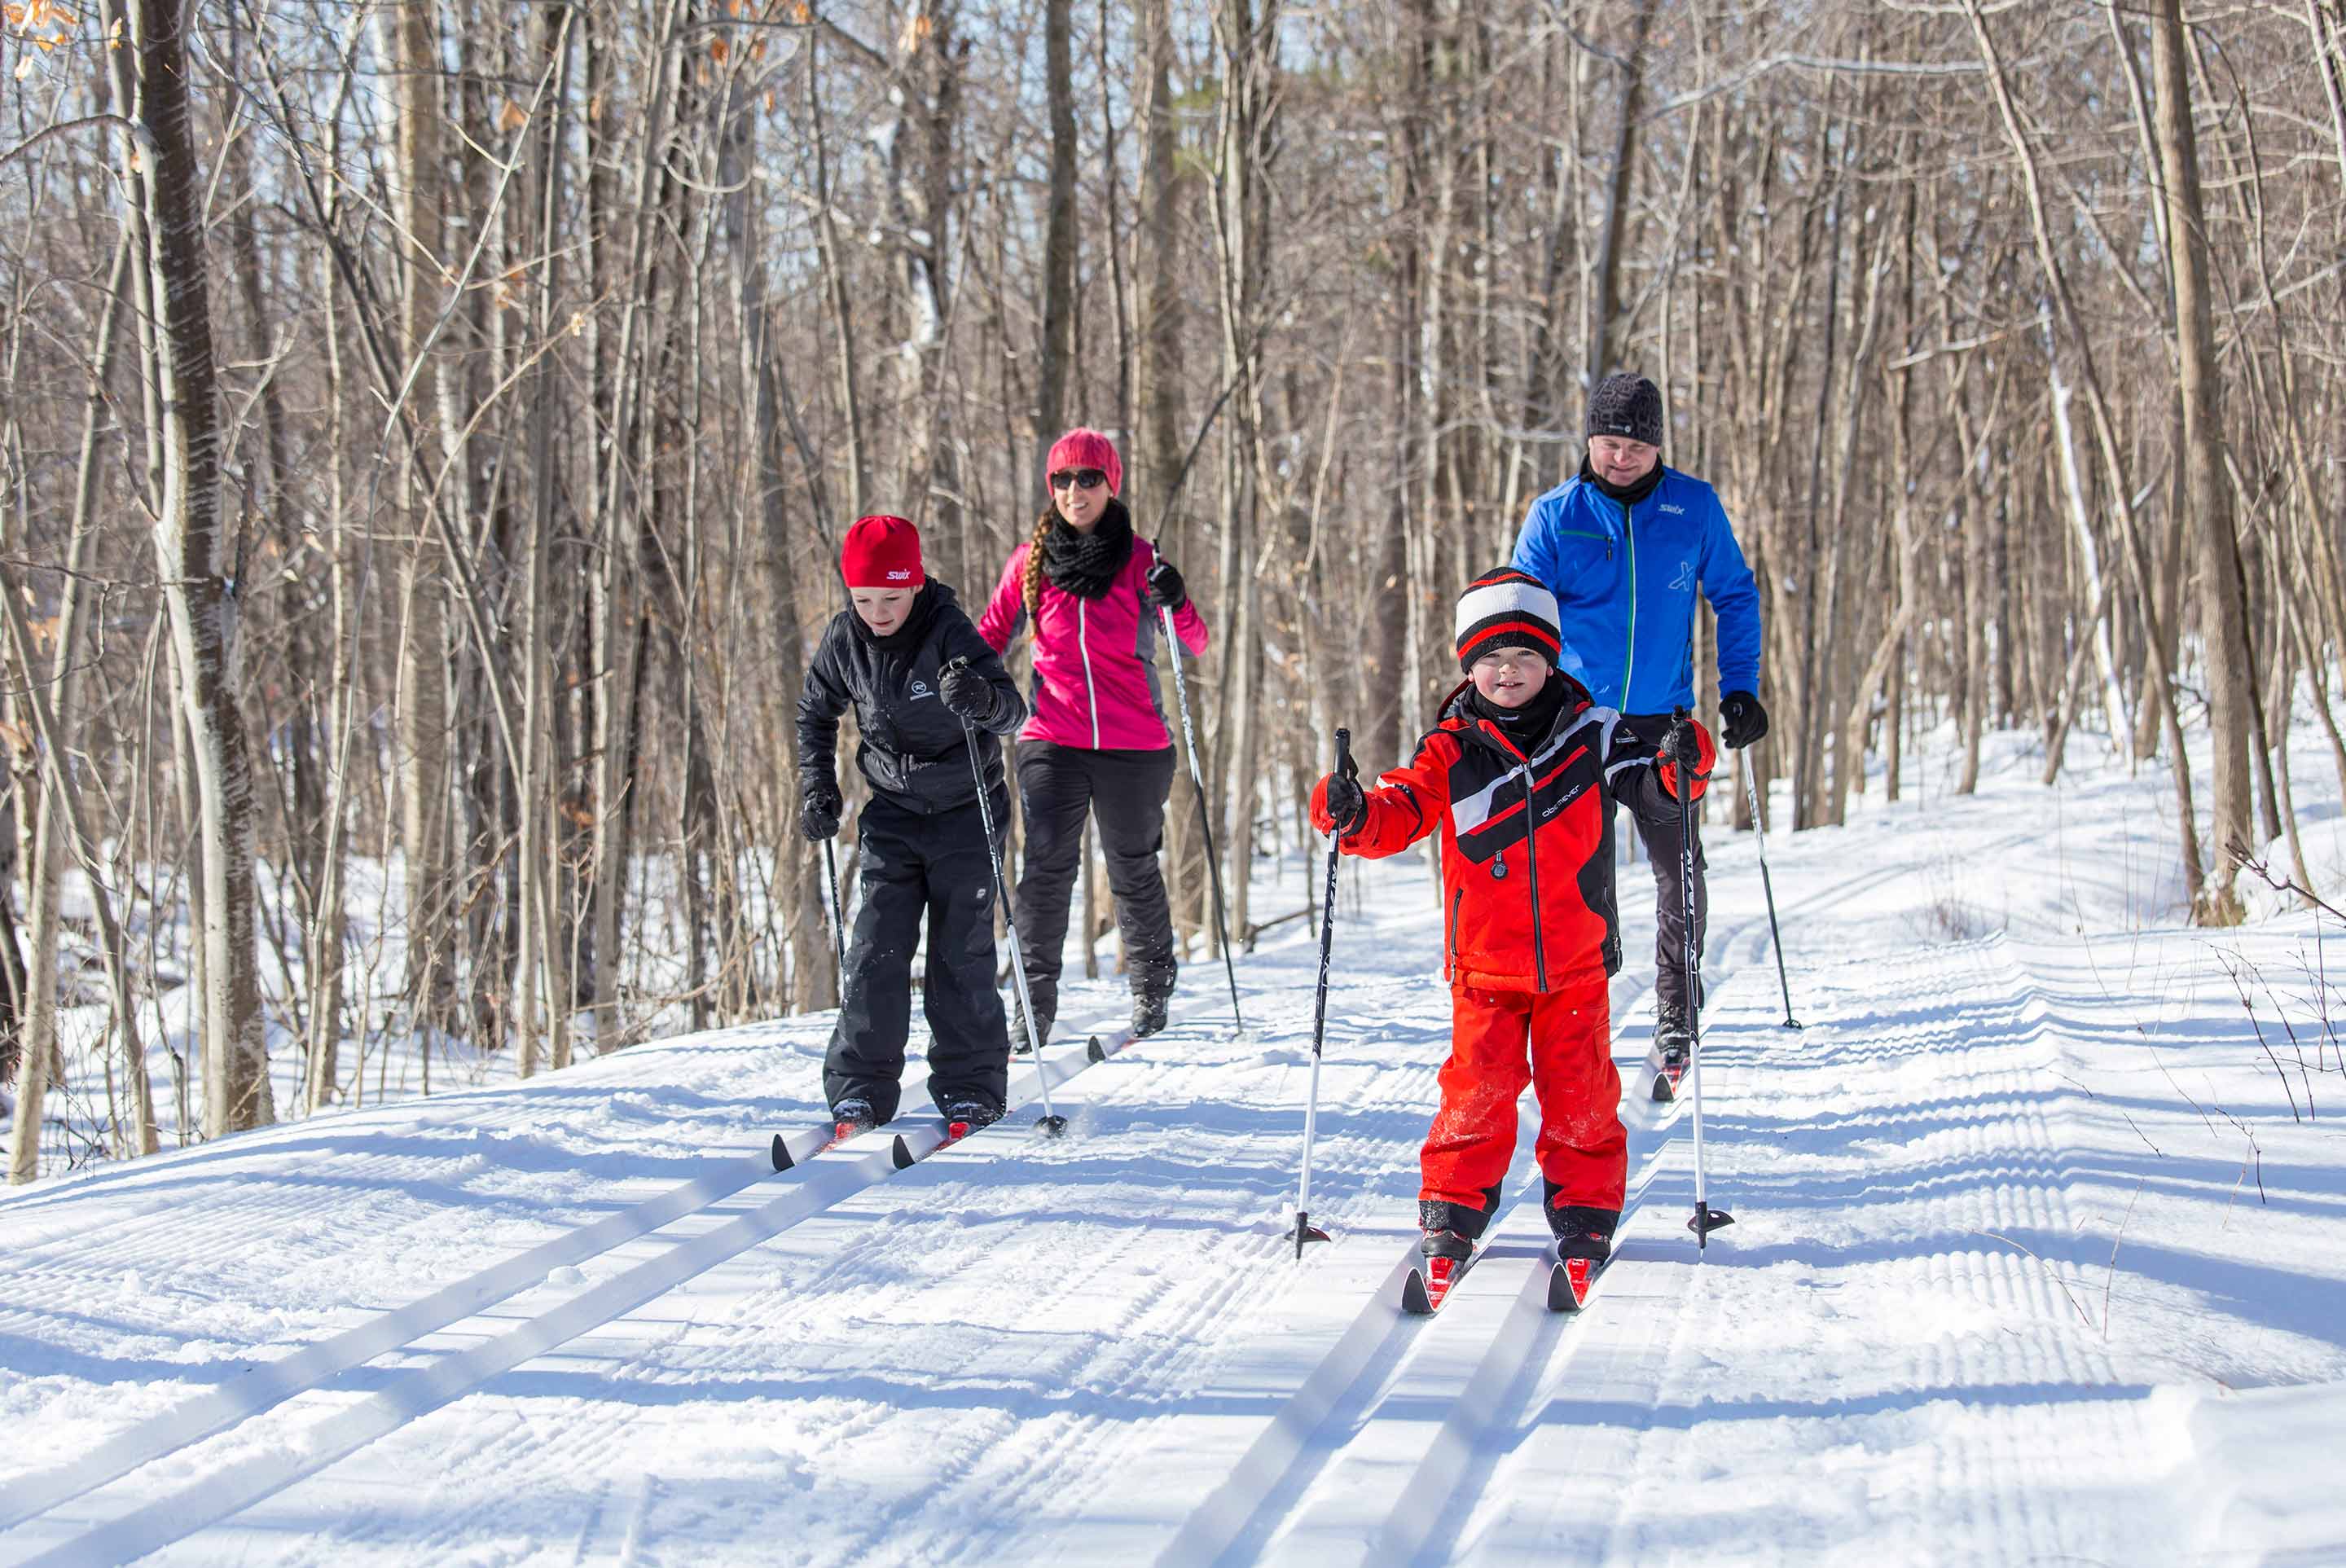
(1681, 748)
(966, 694)
(1166, 588)
(1347, 802)
(819, 810)
(1744, 721)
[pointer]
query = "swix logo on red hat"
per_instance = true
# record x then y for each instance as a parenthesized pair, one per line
(900, 576)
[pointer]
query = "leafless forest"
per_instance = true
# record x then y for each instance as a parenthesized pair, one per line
(425, 426)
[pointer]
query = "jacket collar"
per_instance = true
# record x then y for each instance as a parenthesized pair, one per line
(1458, 714)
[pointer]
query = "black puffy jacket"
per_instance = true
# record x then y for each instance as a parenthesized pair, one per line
(911, 749)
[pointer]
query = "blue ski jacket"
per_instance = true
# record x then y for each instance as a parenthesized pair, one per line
(1625, 578)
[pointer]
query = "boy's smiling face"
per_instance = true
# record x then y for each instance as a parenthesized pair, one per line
(1509, 677)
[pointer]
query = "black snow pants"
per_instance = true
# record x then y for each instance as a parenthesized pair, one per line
(914, 863)
(1125, 791)
(1658, 830)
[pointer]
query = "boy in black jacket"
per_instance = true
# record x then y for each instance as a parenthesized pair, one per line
(924, 847)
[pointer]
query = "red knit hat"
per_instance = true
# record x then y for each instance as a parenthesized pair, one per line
(881, 551)
(1084, 448)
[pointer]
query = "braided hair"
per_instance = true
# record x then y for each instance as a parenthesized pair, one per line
(1034, 584)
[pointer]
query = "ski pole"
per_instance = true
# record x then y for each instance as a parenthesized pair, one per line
(1304, 1230)
(1706, 1218)
(1768, 886)
(1052, 1122)
(1205, 817)
(837, 916)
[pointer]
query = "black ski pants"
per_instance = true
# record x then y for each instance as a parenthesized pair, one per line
(914, 863)
(1125, 791)
(1659, 829)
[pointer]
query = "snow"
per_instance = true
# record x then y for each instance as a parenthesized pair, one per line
(2036, 1256)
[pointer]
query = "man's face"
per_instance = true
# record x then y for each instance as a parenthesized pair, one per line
(1617, 460)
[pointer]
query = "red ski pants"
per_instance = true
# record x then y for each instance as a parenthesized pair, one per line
(1582, 1149)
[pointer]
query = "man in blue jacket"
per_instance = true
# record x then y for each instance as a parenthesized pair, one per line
(1624, 545)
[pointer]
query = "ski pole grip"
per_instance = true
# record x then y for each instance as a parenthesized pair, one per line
(1343, 749)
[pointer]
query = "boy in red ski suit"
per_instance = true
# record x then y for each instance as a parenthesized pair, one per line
(1529, 934)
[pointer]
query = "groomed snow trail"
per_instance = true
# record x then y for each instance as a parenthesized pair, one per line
(2016, 1214)
(1367, 1461)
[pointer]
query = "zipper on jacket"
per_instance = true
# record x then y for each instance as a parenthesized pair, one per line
(1531, 853)
(1457, 903)
(1091, 685)
(1630, 657)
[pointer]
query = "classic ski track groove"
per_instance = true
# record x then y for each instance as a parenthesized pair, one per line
(1629, 1368)
(1023, 1458)
(1062, 1461)
(162, 1520)
(1235, 1510)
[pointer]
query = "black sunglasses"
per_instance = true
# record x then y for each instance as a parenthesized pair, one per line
(1082, 478)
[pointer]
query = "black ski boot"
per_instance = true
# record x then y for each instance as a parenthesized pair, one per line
(1584, 1246)
(1583, 1232)
(1152, 994)
(1445, 1244)
(1045, 1009)
(1444, 1258)
(851, 1116)
(975, 1109)
(1149, 1012)
(1673, 1047)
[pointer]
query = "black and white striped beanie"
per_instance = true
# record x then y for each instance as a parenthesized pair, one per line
(1507, 608)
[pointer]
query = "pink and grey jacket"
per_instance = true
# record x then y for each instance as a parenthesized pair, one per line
(1096, 682)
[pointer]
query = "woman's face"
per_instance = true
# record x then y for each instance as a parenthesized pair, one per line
(883, 609)
(1081, 494)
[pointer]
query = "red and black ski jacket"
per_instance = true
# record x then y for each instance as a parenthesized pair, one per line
(1526, 838)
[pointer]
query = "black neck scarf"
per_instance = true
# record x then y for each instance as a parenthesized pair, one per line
(1086, 564)
(1526, 725)
(1628, 494)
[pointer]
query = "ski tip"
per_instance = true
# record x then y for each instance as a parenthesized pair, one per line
(1569, 1281)
(1561, 1296)
(1095, 1051)
(783, 1160)
(1663, 1090)
(1414, 1297)
(1053, 1126)
(903, 1154)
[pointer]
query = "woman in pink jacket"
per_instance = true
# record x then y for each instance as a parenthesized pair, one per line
(1097, 740)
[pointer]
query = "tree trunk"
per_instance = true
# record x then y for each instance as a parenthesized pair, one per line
(197, 593)
(1056, 353)
(1618, 189)
(423, 663)
(2223, 610)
